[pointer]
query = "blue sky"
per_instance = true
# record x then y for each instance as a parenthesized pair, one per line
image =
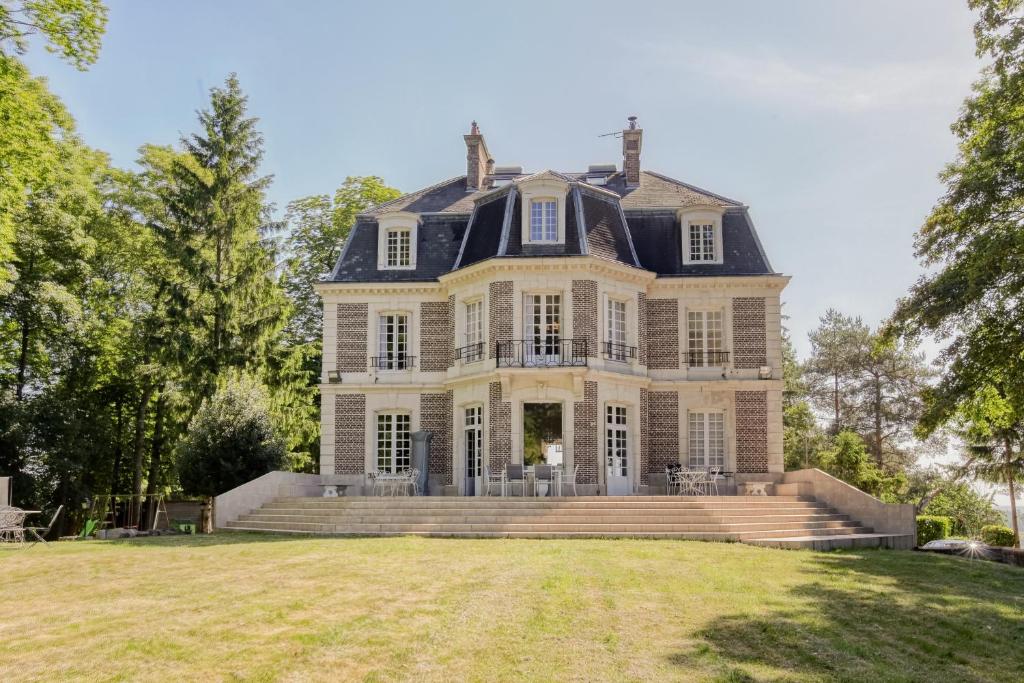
(830, 120)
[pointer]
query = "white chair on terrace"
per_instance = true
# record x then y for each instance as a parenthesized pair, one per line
(494, 479)
(12, 521)
(569, 479)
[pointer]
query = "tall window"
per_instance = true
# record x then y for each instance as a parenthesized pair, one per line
(542, 326)
(702, 242)
(543, 220)
(474, 331)
(706, 338)
(394, 446)
(616, 441)
(474, 441)
(393, 341)
(707, 440)
(399, 248)
(616, 330)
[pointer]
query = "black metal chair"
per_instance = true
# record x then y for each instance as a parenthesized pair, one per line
(515, 474)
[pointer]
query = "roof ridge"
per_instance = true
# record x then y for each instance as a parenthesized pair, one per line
(694, 188)
(374, 210)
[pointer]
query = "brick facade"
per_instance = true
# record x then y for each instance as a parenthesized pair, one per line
(436, 417)
(584, 441)
(499, 440)
(662, 334)
(645, 439)
(500, 314)
(663, 430)
(351, 338)
(641, 327)
(584, 314)
(749, 333)
(751, 431)
(349, 433)
(451, 331)
(435, 339)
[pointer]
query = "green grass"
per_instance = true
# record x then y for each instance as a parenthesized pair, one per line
(265, 608)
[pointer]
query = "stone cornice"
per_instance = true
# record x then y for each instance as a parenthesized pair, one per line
(555, 264)
(377, 287)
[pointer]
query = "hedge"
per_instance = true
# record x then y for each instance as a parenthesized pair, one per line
(932, 527)
(994, 534)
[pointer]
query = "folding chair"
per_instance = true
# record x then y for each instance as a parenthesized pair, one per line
(35, 530)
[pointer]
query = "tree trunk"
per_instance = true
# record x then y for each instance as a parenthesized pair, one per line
(878, 421)
(19, 391)
(140, 436)
(118, 448)
(154, 459)
(835, 398)
(1013, 494)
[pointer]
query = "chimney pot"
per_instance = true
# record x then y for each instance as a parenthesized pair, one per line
(632, 141)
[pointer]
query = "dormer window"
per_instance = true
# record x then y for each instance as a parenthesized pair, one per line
(396, 242)
(702, 235)
(544, 220)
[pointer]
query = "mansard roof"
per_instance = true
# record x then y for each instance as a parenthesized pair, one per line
(636, 226)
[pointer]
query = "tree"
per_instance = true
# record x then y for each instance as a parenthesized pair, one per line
(802, 438)
(968, 509)
(971, 245)
(837, 346)
(73, 28)
(230, 441)
(848, 459)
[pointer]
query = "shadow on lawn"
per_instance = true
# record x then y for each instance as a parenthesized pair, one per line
(208, 540)
(877, 615)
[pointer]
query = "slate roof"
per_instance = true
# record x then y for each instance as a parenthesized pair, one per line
(634, 226)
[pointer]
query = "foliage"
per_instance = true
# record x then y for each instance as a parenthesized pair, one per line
(932, 528)
(968, 510)
(998, 535)
(847, 459)
(73, 28)
(230, 441)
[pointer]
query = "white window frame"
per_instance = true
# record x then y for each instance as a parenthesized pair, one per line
(701, 216)
(546, 210)
(393, 452)
(397, 352)
(544, 189)
(474, 333)
(473, 431)
(611, 334)
(548, 345)
(398, 223)
(616, 435)
(700, 437)
(703, 345)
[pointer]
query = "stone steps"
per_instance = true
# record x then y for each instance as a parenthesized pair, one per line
(449, 528)
(524, 518)
(836, 541)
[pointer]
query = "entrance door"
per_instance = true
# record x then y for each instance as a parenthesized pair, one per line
(616, 450)
(474, 450)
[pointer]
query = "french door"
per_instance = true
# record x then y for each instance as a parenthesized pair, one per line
(474, 450)
(542, 329)
(617, 450)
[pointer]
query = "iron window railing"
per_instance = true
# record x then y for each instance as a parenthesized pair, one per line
(619, 352)
(398, 361)
(470, 353)
(701, 359)
(542, 353)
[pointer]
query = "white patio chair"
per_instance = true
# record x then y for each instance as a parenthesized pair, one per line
(543, 474)
(494, 479)
(12, 524)
(714, 474)
(40, 532)
(569, 479)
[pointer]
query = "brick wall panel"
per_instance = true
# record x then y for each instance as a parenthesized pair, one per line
(500, 314)
(751, 431)
(436, 417)
(641, 327)
(451, 331)
(435, 341)
(584, 440)
(499, 440)
(584, 313)
(645, 439)
(663, 430)
(351, 338)
(749, 333)
(662, 334)
(350, 434)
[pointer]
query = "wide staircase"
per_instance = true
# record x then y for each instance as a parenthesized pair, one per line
(777, 521)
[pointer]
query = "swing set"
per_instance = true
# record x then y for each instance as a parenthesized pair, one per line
(126, 511)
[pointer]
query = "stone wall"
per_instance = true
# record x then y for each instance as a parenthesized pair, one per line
(749, 333)
(662, 334)
(751, 431)
(351, 338)
(436, 417)
(584, 443)
(350, 433)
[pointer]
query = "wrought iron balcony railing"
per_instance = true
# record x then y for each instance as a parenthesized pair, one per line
(397, 361)
(542, 353)
(470, 353)
(704, 359)
(619, 352)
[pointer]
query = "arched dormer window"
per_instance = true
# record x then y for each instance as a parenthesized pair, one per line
(543, 209)
(396, 241)
(702, 235)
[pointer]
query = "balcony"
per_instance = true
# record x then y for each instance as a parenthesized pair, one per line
(398, 361)
(470, 353)
(542, 353)
(618, 352)
(707, 359)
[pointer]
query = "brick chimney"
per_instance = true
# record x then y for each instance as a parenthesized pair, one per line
(632, 140)
(478, 159)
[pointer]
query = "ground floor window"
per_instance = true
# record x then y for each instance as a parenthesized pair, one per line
(616, 441)
(474, 441)
(707, 439)
(394, 445)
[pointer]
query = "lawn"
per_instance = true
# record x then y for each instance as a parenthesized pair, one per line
(255, 607)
